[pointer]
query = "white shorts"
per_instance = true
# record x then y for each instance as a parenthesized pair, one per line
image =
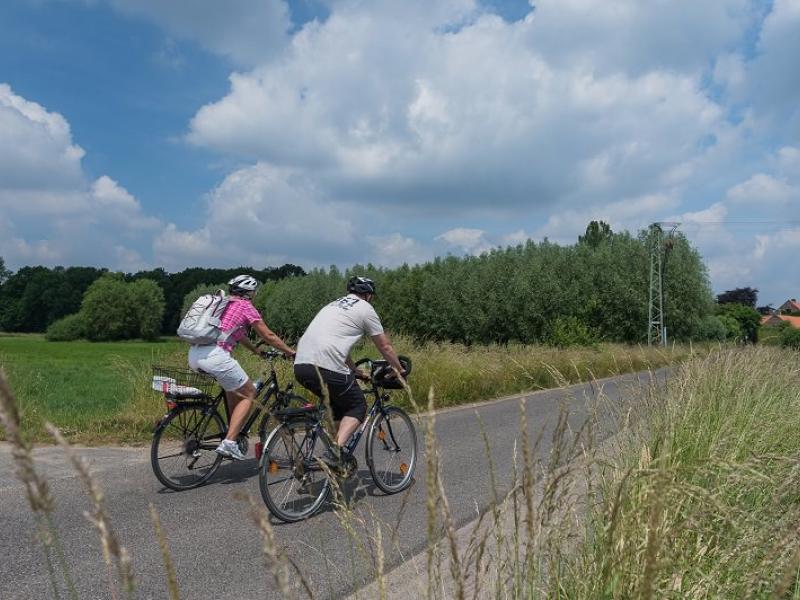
(218, 363)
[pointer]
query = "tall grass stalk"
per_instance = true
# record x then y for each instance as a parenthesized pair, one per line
(169, 566)
(114, 553)
(37, 492)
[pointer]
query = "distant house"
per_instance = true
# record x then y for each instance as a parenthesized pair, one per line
(776, 319)
(790, 306)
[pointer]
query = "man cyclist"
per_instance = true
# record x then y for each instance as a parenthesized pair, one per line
(323, 355)
(216, 359)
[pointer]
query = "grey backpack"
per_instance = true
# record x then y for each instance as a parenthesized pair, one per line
(201, 323)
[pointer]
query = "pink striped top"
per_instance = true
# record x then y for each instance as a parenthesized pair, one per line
(238, 315)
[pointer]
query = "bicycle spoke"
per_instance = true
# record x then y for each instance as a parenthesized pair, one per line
(392, 450)
(288, 485)
(178, 457)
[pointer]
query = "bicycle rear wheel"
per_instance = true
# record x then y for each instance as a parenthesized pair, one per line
(292, 483)
(182, 453)
(392, 450)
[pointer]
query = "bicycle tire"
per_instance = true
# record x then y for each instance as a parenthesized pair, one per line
(182, 456)
(292, 483)
(392, 450)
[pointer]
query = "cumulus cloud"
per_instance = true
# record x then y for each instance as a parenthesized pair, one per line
(395, 249)
(609, 35)
(249, 32)
(465, 110)
(747, 235)
(471, 241)
(36, 148)
(762, 190)
(630, 214)
(52, 213)
(261, 215)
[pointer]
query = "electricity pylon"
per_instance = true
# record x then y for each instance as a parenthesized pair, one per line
(659, 250)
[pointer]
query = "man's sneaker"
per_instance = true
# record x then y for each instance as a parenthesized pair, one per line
(230, 449)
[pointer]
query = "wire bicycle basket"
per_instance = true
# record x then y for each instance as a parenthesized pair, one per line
(180, 383)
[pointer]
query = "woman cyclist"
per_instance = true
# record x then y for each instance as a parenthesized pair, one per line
(216, 359)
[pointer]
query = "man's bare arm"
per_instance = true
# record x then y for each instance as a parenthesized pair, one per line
(386, 349)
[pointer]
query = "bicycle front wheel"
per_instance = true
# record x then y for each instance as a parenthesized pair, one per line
(392, 450)
(292, 482)
(182, 453)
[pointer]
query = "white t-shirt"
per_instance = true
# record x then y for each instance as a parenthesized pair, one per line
(336, 328)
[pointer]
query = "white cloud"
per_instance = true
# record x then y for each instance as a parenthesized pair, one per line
(52, 214)
(635, 36)
(262, 215)
(630, 214)
(395, 249)
(424, 114)
(762, 191)
(249, 32)
(767, 83)
(471, 241)
(36, 149)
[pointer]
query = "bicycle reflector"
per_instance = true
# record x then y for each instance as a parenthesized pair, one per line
(273, 467)
(403, 468)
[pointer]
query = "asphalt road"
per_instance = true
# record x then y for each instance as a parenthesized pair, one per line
(214, 543)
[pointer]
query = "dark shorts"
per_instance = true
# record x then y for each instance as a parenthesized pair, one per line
(346, 397)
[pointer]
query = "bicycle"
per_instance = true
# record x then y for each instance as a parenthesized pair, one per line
(182, 453)
(293, 479)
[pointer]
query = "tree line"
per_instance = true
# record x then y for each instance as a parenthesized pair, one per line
(594, 290)
(34, 298)
(539, 292)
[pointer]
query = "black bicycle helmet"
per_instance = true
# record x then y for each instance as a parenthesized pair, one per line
(360, 285)
(384, 376)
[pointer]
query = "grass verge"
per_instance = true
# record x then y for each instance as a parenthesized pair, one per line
(703, 499)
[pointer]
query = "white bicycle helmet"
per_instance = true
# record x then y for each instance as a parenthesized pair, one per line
(243, 285)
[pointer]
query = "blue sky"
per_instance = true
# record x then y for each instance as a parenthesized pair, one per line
(140, 133)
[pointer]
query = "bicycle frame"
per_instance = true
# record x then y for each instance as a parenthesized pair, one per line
(372, 415)
(265, 389)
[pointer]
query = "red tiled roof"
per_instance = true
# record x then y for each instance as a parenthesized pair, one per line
(793, 321)
(792, 305)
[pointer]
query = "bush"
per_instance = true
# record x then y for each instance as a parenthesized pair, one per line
(71, 327)
(115, 310)
(747, 318)
(147, 301)
(570, 331)
(790, 338)
(713, 328)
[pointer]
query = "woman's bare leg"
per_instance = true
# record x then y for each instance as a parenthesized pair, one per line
(239, 403)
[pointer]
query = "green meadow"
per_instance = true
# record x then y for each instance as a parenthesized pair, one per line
(99, 393)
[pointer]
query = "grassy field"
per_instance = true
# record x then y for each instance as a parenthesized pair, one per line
(83, 387)
(99, 392)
